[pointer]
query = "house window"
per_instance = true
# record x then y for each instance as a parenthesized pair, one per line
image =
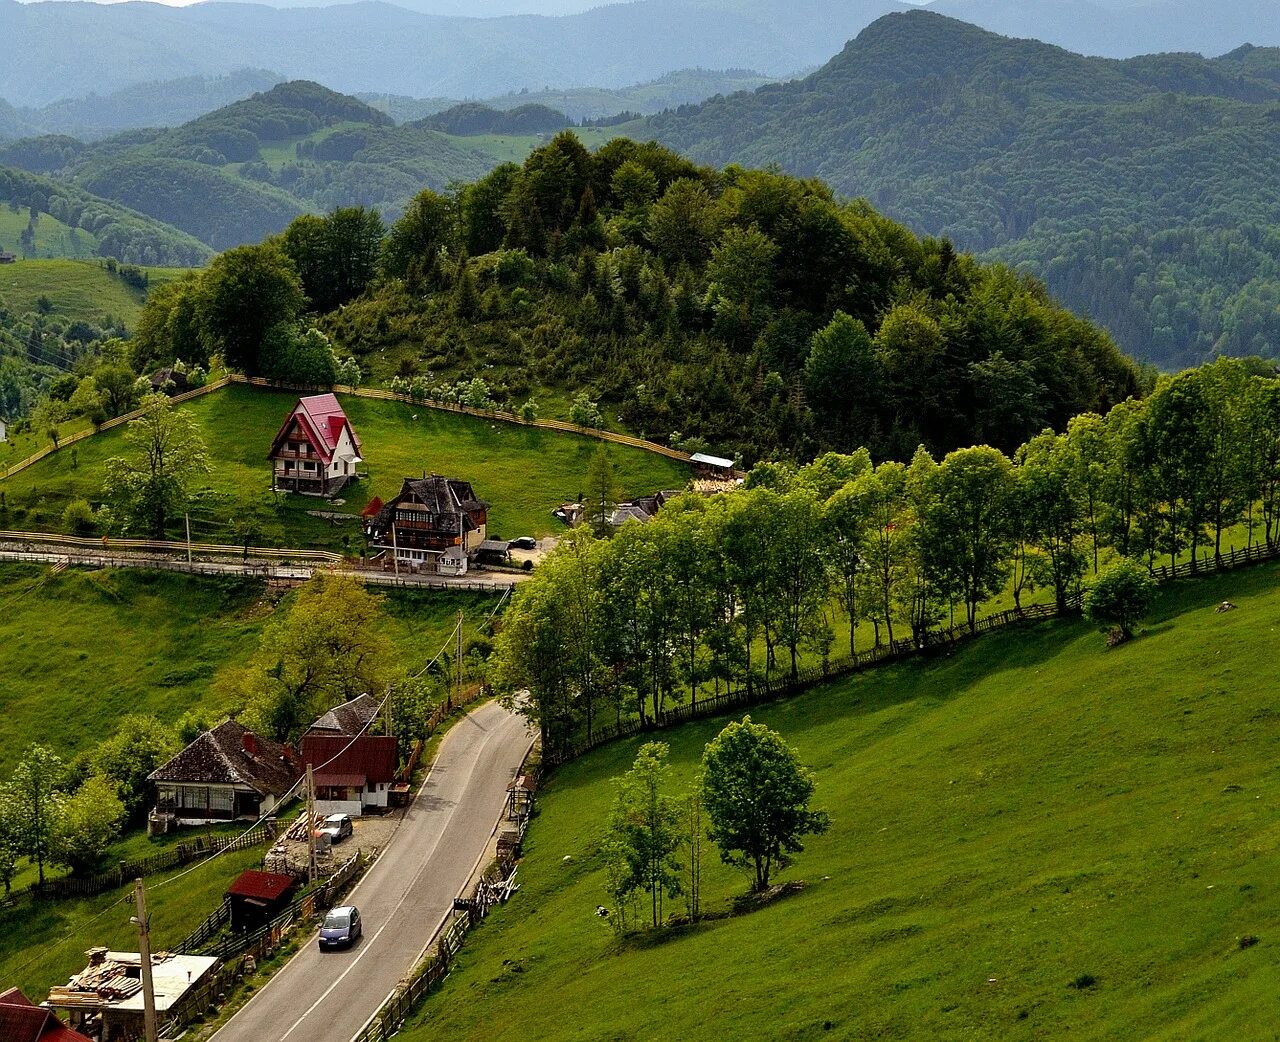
(222, 799)
(194, 797)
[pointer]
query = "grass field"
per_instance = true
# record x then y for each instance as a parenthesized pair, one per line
(98, 645)
(52, 237)
(77, 289)
(43, 943)
(522, 472)
(1009, 821)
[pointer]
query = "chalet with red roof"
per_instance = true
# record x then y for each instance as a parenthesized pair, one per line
(316, 450)
(354, 768)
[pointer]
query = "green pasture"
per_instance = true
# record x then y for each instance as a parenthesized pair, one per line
(523, 472)
(1033, 837)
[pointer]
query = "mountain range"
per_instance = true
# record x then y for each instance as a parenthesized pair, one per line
(1146, 191)
(60, 50)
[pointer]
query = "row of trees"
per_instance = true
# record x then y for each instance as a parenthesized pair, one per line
(716, 590)
(750, 797)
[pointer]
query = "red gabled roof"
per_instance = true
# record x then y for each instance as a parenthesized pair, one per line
(23, 1021)
(322, 421)
(374, 507)
(374, 756)
(264, 886)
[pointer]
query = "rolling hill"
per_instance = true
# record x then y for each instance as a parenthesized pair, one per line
(1144, 191)
(1032, 837)
(244, 171)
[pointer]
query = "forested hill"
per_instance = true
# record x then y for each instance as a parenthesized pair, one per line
(1146, 191)
(741, 310)
(245, 171)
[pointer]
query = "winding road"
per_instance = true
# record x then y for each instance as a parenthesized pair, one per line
(404, 898)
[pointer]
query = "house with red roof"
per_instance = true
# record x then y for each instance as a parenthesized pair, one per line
(316, 450)
(21, 1020)
(354, 768)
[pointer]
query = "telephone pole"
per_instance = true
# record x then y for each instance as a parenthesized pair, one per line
(144, 958)
(311, 825)
(459, 656)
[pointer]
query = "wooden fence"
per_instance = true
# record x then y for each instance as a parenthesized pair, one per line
(467, 912)
(758, 690)
(127, 871)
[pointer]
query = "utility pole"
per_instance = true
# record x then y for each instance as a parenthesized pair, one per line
(144, 958)
(395, 546)
(311, 825)
(188, 520)
(458, 631)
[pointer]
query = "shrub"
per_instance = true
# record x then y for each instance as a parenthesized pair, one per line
(1120, 597)
(77, 518)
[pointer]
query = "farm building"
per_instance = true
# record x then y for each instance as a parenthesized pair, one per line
(435, 524)
(354, 770)
(258, 897)
(226, 773)
(21, 1020)
(105, 998)
(316, 450)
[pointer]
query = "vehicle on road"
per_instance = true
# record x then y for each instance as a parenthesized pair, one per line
(341, 928)
(524, 542)
(336, 826)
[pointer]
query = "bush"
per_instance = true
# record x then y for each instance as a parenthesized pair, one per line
(77, 518)
(1120, 597)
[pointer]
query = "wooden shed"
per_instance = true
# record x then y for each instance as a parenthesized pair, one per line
(258, 897)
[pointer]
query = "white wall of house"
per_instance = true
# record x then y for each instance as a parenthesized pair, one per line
(372, 795)
(342, 456)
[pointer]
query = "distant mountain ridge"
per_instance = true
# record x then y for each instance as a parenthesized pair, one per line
(1147, 191)
(246, 170)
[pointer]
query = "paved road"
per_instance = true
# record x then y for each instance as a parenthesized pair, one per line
(328, 997)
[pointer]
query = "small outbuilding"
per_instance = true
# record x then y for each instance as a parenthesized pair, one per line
(258, 897)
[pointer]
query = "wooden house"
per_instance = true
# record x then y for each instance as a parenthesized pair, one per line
(226, 773)
(354, 770)
(255, 898)
(435, 524)
(316, 450)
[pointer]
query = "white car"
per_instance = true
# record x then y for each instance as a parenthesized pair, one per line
(336, 826)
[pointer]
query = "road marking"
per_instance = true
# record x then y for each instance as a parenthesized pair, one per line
(365, 878)
(366, 948)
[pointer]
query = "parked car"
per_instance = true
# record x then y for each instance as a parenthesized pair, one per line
(524, 542)
(341, 928)
(336, 826)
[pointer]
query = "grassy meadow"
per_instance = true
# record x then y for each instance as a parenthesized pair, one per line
(77, 289)
(99, 645)
(1033, 837)
(522, 472)
(44, 942)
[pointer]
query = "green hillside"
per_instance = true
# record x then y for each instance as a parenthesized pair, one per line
(242, 172)
(1033, 837)
(1144, 191)
(66, 220)
(134, 641)
(84, 291)
(521, 471)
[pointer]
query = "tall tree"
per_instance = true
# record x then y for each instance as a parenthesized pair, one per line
(33, 802)
(327, 648)
(243, 293)
(644, 832)
(757, 795)
(154, 482)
